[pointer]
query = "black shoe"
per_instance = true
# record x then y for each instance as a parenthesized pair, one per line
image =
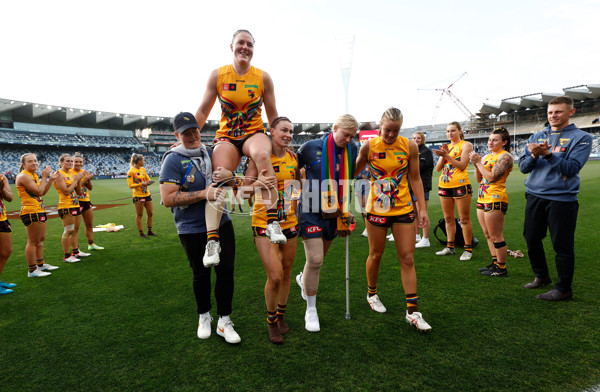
(556, 295)
(496, 271)
(150, 233)
(487, 267)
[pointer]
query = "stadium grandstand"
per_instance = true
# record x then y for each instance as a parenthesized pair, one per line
(108, 139)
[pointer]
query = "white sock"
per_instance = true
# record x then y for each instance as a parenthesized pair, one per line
(311, 301)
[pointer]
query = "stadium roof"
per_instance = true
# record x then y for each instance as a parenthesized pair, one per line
(539, 100)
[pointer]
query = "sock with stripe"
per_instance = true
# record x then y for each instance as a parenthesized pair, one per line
(411, 303)
(281, 310)
(469, 248)
(31, 268)
(212, 235)
(271, 215)
(272, 317)
(372, 290)
(39, 262)
(75, 251)
(450, 245)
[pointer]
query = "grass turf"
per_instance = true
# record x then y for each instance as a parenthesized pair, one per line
(124, 318)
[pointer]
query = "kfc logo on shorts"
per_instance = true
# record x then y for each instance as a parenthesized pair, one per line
(143, 200)
(377, 219)
(262, 232)
(42, 219)
(460, 191)
(442, 192)
(313, 229)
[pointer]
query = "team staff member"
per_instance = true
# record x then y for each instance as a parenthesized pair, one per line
(85, 203)
(554, 158)
(138, 180)
(455, 188)
(278, 258)
(492, 202)
(33, 214)
(186, 186)
(242, 90)
(5, 233)
(68, 187)
(392, 160)
(425, 171)
(330, 159)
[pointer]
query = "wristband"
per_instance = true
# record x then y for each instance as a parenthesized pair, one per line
(548, 157)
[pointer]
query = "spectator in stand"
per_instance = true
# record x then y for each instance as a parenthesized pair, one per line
(5, 233)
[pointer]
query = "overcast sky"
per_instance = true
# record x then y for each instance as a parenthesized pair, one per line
(153, 57)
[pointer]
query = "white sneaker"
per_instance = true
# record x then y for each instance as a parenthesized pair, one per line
(38, 273)
(48, 267)
(391, 237)
(71, 259)
(364, 233)
(275, 234)
(416, 319)
(424, 243)
(417, 238)
(376, 304)
(466, 256)
(211, 254)
(204, 326)
(225, 329)
(311, 320)
(446, 252)
(82, 254)
(301, 284)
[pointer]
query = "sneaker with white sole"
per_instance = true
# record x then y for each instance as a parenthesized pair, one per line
(301, 284)
(416, 319)
(311, 320)
(275, 234)
(211, 254)
(71, 259)
(376, 304)
(204, 326)
(446, 252)
(95, 247)
(424, 243)
(466, 256)
(48, 267)
(364, 233)
(225, 329)
(82, 254)
(38, 273)
(417, 238)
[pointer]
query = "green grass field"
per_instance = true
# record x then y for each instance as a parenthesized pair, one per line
(124, 319)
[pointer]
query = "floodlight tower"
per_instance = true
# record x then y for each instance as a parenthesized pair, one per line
(345, 48)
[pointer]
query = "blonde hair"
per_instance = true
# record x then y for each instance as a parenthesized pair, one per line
(23, 157)
(422, 137)
(135, 158)
(392, 114)
(457, 125)
(62, 158)
(346, 121)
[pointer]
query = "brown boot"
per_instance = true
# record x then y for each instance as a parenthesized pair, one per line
(283, 327)
(538, 283)
(274, 333)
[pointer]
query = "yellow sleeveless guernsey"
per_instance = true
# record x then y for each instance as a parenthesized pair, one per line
(241, 99)
(67, 201)
(84, 195)
(30, 203)
(285, 169)
(388, 163)
(452, 177)
(495, 191)
(137, 176)
(2, 211)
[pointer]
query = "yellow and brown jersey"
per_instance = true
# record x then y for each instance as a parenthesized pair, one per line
(135, 177)
(241, 99)
(72, 199)
(30, 203)
(388, 164)
(495, 191)
(2, 211)
(285, 169)
(84, 195)
(451, 176)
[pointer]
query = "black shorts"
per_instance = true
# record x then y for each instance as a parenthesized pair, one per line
(85, 205)
(290, 233)
(497, 206)
(237, 143)
(142, 199)
(75, 211)
(388, 221)
(28, 219)
(455, 193)
(5, 226)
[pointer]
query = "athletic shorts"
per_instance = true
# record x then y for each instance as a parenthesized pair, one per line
(388, 221)
(289, 233)
(85, 205)
(455, 193)
(426, 195)
(237, 143)
(313, 226)
(28, 219)
(142, 199)
(5, 226)
(75, 211)
(496, 206)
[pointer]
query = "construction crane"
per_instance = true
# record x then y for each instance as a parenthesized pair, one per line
(446, 91)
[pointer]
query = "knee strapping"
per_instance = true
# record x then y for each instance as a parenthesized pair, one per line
(499, 245)
(68, 230)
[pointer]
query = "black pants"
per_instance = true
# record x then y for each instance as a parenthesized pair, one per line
(560, 217)
(194, 246)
